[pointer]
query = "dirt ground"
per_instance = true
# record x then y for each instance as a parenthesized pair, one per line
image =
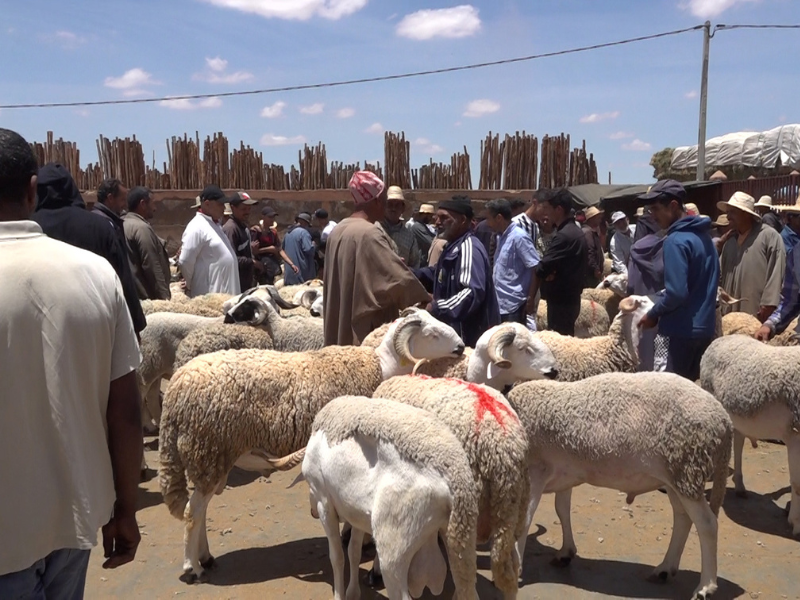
(267, 545)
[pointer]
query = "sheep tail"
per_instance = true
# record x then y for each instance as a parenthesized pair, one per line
(721, 473)
(462, 531)
(172, 474)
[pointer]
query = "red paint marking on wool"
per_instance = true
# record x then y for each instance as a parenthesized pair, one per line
(485, 402)
(594, 310)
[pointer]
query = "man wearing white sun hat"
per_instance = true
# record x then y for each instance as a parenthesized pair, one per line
(621, 242)
(753, 259)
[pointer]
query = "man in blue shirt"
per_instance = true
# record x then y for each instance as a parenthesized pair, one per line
(686, 314)
(463, 291)
(298, 246)
(514, 261)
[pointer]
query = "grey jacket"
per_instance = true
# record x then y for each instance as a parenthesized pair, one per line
(148, 257)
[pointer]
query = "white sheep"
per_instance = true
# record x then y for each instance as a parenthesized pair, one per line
(247, 407)
(634, 433)
(288, 292)
(496, 446)
(221, 336)
(592, 321)
(295, 334)
(759, 386)
(396, 472)
(616, 352)
(503, 355)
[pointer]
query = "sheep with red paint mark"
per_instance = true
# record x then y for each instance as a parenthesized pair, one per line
(496, 446)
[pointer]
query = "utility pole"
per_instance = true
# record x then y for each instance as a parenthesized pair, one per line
(701, 131)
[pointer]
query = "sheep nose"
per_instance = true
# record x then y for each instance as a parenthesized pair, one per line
(459, 350)
(552, 374)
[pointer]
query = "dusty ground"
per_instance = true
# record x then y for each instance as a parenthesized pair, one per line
(268, 546)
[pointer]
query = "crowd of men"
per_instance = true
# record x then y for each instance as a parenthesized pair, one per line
(73, 280)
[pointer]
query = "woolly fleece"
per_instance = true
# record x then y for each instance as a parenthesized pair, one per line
(496, 445)
(221, 336)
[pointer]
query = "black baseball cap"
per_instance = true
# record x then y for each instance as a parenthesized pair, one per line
(458, 204)
(268, 211)
(321, 213)
(666, 188)
(213, 192)
(241, 198)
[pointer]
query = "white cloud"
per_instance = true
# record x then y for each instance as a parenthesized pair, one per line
(374, 128)
(597, 117)
(187, 104)
(66, 39)
(706, 9)
(345, 113)
(270, 139)
(457, 22)
(690, 95)
(274, 111)
(637, 145)
(300, 10)
(313, 109)
(479, 108)
(426, 147)
(216, 73)
(134, 79)
(620, 135)
(82, 112)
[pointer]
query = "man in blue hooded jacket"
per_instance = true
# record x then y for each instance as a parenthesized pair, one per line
(686, 314)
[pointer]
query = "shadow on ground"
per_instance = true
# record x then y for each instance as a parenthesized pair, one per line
(759, 512)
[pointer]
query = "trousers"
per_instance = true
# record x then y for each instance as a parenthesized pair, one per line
(684, 354)
(61, 575)
(561, 316)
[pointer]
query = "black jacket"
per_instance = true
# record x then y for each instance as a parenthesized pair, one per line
(62, 215)
(773, 221)
(239, 235)
(566, 262)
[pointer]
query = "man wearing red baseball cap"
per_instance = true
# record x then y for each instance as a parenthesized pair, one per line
(366, 284)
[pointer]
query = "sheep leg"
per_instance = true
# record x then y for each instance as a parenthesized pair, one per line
(374, 576)
(152, 406)
(538, 480)
(354, 556)
(738, 448)
(793, 450)
(194, 532)
(395, 574)
(706, 523)
(681, 525)
(206, 560)
(568, 549)
(330, 523)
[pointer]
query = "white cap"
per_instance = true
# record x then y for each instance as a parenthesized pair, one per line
(618, 216)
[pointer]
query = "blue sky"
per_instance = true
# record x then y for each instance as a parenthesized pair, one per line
(627, 102)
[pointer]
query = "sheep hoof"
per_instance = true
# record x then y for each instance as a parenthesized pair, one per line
(209, 563)
(374, 579)
(192, 578)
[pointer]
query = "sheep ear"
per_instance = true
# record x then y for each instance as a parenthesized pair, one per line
(493, 370)
(308, 298)
(629, 304)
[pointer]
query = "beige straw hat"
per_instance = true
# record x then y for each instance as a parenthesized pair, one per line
(592, 211)
(722, 221)
(794, 208)
(742, 201)
(765, 201)
(395, 192)
(426, 209)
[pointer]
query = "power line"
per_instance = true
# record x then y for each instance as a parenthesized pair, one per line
(723, 27)
(331, 84)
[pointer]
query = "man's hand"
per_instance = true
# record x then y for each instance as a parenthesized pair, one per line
(763, 334)
(296, 269)
(648, 322)
(429, 307)
(121, 537)
(530, 307)
(765, 312)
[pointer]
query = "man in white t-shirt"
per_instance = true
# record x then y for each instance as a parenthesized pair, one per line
(70, 429)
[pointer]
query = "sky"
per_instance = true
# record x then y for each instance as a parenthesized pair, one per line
(627, 102)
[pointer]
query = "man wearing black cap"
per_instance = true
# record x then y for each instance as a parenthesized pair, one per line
(463, 291)
(207, 260)
(686, 313)
(239, 236)
(299, 249)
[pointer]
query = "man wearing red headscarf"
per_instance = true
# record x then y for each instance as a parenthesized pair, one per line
(366, 284)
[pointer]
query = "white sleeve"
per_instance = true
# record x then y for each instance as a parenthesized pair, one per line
(190, 246)
(125, 355)
(617, 258)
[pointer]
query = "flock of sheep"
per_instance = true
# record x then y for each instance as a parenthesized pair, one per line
(413, 438)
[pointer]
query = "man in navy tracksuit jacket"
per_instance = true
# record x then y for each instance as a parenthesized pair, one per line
(686, 314)
(463, 290)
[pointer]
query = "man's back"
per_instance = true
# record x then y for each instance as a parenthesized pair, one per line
(566, 261)
(298, 246)
(67, 334)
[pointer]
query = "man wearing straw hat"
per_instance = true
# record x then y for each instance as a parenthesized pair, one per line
(591, 231)
(789, 307)
(768, 217)
(395, 227)
(424, 232)
(753, 259)
(621, 242)
(722, 227)
(791, 229)
(366, 284)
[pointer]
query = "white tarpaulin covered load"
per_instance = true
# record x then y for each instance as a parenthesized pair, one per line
(766, 149)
